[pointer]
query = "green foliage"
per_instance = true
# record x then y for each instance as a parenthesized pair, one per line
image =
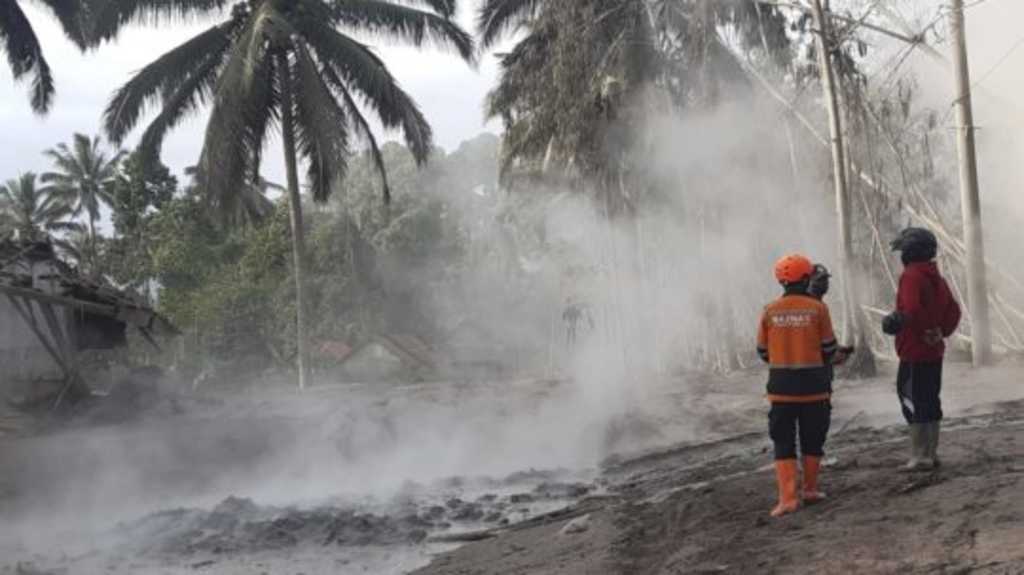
(227, 288)
(136, 195)
(83, 177)
(290, 64)
(368, 267)
(32, 211)
(83, 173)
(137, 189)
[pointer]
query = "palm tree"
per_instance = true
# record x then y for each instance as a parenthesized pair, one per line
(75, 247)
(570, 87)
(284, 63)
(253, 205)
(33, 211)
(83, 176)
(24, 53)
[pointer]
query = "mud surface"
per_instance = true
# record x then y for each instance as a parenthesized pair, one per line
(704, 509)
(523, 477)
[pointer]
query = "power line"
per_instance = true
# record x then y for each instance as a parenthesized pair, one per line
(973, 4)
(1002, 59)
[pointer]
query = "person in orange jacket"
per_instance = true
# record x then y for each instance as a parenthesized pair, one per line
(796, 339)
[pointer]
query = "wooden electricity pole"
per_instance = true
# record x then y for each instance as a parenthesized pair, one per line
(977, 286)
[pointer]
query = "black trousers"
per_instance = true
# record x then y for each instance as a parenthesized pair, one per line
(809, 421)
(918, 385)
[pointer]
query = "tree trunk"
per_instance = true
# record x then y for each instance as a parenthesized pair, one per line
(839, 168)
(861, 364)
(92, 245)
(295, 205)
(977, 291)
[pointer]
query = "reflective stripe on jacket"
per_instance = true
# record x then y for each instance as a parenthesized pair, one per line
(795, 337)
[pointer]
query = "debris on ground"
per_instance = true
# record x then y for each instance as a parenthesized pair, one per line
(578, 525)
(967, 516)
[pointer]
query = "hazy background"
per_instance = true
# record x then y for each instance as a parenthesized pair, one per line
(449, 92)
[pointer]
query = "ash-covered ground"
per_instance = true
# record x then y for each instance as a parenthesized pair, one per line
(372, 479)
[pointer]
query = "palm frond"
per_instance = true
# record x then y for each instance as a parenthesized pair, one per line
(190, 64)
(522, 70)
(256, 205)
(25, 55)
(190, 96)
(109, 16)
(446, 8)
(82, 173)
(363, 129)
(32, 209)
(238, 123)
(67, 164)
(366, 75)
(496, 18)
(320, 125)
(73, 16)
(405, 23)
(65, 227)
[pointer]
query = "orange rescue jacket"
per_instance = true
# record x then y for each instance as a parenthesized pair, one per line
(795, 337)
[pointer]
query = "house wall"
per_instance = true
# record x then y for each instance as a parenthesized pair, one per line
(23, 359)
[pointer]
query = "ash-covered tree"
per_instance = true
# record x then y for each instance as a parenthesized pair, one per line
(292, 64)
(574, 88)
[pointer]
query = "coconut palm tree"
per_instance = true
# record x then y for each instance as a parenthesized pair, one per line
(33, 211)
(75, 248)
(290, 64)
(25, 54)
(569, 86)
(253, 206)
(83, 174)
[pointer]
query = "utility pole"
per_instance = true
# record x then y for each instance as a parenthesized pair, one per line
(977, 286)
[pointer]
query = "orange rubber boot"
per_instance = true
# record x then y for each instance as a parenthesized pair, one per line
(785, 476)
(812, 465)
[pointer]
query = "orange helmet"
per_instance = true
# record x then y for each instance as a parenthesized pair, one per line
(793, 268)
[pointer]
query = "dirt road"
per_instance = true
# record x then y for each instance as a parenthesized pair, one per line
(703, 509)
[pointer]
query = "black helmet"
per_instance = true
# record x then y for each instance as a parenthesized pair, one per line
(819, 283)
(916, 245)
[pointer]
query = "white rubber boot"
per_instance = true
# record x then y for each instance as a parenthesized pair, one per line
(919, 459)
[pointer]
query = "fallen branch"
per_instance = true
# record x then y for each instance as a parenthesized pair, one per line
(953, 244)
(916, 40)
(466, 537)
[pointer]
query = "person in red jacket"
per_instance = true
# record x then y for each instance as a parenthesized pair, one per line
(926, 313)
(795, 338)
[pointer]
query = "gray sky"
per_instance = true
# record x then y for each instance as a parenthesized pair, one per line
(449, 92)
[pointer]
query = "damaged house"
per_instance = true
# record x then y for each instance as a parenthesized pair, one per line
(49, 313)
(390, 357)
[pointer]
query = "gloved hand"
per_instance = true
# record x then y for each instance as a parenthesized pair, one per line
(842, 354)
(892, 324)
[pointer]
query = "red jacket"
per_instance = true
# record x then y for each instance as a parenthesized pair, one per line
(929, 311)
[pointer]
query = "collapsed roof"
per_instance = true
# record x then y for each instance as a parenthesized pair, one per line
(30, 271)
